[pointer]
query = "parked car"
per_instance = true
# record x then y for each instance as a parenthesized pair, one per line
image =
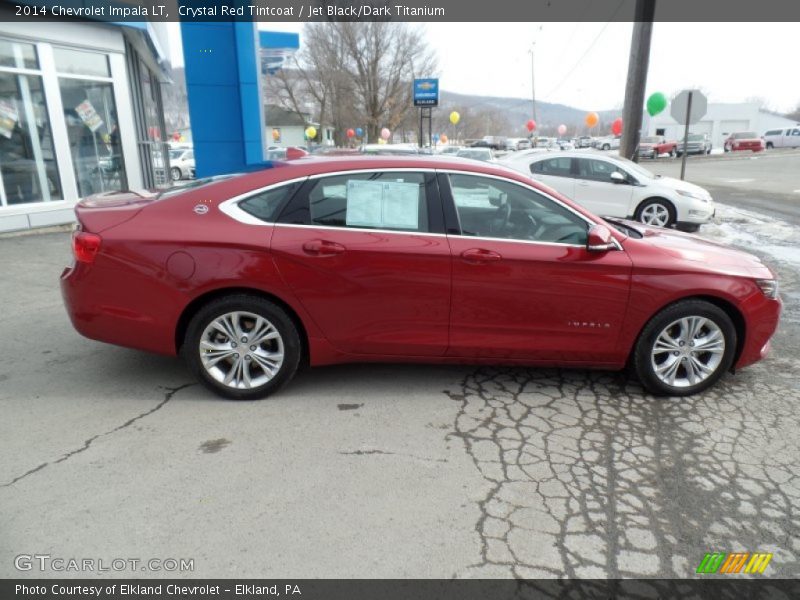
(495, 142)
(654, 145)
(390, 149)
(565, 144)
(335, 260)
(181, 164)
(585, 141)
(697, 143)
(289, 153)
(744, 140)
(523, 144)
(610, 142)
(616, 187)
(484, 154)
(449, 149)
(782, 138)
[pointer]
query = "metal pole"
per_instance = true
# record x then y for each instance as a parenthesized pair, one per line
(637, 78)
(420, 127)
(686, 134)
(533, 86)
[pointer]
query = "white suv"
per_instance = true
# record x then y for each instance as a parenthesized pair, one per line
(616, 187)
(783, 138)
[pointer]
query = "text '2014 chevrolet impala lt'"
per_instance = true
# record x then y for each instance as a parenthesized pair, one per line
(399, 259)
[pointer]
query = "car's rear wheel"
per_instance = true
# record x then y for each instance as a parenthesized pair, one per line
(685, 348)
(242, 347)
(769, 145)
(656, 212)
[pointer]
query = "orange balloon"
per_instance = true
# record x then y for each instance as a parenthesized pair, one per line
(443, 139)
(592, 119)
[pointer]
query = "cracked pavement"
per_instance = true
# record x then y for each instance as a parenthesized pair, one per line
(382, 470)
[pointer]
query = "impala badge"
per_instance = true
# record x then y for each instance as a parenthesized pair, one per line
(201, 209)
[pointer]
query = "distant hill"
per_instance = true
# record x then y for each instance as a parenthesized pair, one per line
(518, 110)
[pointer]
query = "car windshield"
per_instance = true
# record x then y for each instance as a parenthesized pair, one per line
(480, 154)
(173, 154)
(636, 168)
(746, 135)
(695, 137)
(650, 140)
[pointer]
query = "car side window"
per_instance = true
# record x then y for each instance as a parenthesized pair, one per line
(395, 201)
(267, 205)
(559, 167)
(495, 208)
(796, 132)
(597, 170)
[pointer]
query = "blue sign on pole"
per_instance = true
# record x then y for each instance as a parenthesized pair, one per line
(426, 92)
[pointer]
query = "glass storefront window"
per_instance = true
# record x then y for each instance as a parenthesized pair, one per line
(94, 138)
(15, 54)
(27, 160)
(78, 62)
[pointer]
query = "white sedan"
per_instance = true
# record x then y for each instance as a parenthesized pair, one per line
(181, 163)
(616, 187)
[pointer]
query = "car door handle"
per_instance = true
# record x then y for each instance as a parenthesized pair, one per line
(322, 248)
(583, 183)
(480, 255)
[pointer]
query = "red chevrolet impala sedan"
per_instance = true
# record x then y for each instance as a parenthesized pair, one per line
(342, 259)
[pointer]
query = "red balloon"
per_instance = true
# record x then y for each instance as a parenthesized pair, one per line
(531, 124)
(616, 126)
(351, 133)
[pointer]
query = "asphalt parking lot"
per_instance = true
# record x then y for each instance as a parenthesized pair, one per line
(382, 470)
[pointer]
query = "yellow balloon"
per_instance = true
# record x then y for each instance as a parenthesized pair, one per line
(592, 119)
(311, 132)
(455, 118)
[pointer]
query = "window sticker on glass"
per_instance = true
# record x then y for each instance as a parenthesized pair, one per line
(386, 205)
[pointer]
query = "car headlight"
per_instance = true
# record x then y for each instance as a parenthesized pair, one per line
(694, 195)
(769, 287)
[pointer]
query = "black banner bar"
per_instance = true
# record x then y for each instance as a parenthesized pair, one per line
(398, 10)
(733, 588)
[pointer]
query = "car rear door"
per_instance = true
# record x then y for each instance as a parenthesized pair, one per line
(557, 173)
(524, 284)
(595, 190)
(366, 255)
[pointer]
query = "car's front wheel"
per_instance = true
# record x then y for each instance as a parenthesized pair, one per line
(242, 347)
(175, 173)
(685, 348)
(656, 212)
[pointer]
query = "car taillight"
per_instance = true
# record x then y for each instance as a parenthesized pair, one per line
(85, 246)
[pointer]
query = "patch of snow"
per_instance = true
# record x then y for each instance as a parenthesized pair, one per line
(754, 231)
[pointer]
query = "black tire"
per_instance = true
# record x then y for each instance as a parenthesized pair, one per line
(606, 147)
(688, 227)
(769, 146)
(277, 317)
(643, 364)
(175, 173)
(650, 202)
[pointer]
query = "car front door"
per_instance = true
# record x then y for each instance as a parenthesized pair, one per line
(595, 190)
(556, 173)
(366, 255)
(524, 284)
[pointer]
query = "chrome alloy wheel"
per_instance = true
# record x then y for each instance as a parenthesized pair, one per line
(687, 351)
(655, 214)
(241, 350)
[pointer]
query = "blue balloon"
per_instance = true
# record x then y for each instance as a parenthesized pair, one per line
(359, 132)
(435, 137)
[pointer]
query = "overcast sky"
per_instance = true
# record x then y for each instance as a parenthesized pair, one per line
(585, 64)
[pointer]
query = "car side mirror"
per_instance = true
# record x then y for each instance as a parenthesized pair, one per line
(599, 239)
(617, 177)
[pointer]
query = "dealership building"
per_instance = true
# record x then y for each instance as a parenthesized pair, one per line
(719, 121)
(80, 113)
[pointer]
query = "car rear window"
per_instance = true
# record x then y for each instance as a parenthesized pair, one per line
(267, 205)
(746, 135)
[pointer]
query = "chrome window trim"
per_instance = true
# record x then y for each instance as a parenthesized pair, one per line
(231, 206)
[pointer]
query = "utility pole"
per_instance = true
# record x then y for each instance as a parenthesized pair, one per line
(533, 86)
(637, 78)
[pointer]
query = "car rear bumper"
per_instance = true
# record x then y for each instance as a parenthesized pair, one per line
(108, 313)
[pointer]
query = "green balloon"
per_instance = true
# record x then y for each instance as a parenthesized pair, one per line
(656, 104)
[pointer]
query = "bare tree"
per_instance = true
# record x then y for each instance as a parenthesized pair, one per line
(795, 114)
(357, 75)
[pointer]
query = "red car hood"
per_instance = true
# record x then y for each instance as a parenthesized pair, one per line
(700, 252)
